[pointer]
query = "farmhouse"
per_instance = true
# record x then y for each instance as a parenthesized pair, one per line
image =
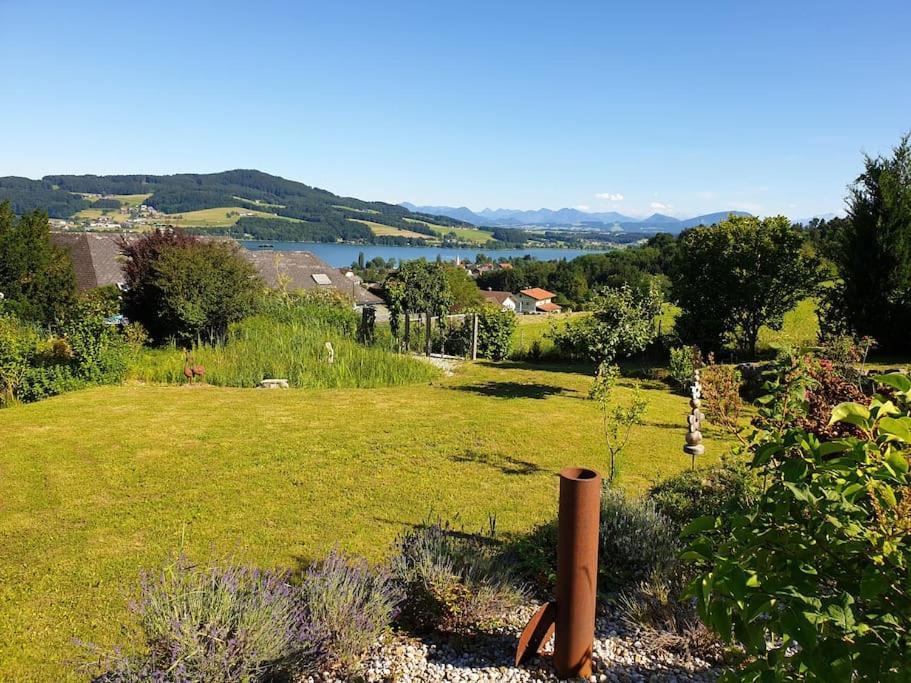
(504, 300)
(537, 300)
(98, 262)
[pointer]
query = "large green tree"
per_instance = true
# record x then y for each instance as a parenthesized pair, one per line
(184, 288)
(36, 277)
(732, 278)
(873, 252)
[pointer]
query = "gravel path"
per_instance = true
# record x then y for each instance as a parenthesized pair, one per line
(618, 657)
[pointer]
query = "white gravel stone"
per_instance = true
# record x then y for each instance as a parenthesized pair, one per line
(619, 656)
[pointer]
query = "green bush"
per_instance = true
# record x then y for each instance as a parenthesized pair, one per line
(682, 365)
(636, 542)
(85, 351)
(812, 581)
(718, 489)
(622, 323)
(453, 582)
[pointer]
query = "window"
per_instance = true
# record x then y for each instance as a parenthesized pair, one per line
(321, 279)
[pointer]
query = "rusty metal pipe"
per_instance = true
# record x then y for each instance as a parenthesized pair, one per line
(577, 571)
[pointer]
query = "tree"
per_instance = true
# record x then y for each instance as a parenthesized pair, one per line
(184, 288)
(36, 277)
(873, 252)
(617, 420)
(621, 324)
(464, 290)
(417, 287)
(732, 278)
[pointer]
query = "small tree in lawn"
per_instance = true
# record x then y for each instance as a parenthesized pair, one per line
(621, 324)
(617, 420)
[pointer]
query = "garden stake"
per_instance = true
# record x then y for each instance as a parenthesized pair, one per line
(572, 615)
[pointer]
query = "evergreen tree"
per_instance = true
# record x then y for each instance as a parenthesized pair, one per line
(36, 277)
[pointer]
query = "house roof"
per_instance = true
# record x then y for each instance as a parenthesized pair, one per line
(548, 307)
(498, 298)
(96, 258)
(537, 293)
(298, 270)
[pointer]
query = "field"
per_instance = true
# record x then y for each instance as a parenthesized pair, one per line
(465, 234)
(274, 478)
(221, 217)
(383, 230)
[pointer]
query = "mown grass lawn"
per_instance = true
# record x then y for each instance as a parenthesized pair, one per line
(99, 484)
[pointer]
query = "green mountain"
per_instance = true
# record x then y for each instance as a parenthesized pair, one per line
(285, 210)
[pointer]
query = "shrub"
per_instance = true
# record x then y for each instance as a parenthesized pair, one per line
(453, 582)
(636, 540)
(187, 289)
(812, 581)
(495, 332)
(18, 348)
(826, 389)
(718, 489)
(220, 624)
(617, 420)
(349, 607)
(622, 324)
(682, 365)
(666, 621)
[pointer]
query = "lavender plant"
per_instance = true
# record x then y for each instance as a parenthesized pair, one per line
(350, 606)
(218, 624)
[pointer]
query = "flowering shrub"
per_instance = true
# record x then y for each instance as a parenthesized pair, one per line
(812, 581)
(349, 606)
(454, 582)
(217, 624)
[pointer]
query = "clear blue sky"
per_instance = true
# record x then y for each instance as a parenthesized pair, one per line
(696, 106)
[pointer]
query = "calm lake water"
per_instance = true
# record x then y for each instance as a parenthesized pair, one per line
(340, 255)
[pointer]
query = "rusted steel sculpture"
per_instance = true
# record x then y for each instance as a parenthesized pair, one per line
(571, 617)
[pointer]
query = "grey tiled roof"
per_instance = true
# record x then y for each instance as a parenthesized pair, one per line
(295, 270)
(96, 258)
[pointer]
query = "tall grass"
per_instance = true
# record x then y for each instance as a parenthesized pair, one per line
(288, 343)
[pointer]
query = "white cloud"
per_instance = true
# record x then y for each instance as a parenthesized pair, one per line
(610, 196)
(658, 206)
(582, 207)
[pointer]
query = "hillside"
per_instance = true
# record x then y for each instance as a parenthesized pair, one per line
(237, 203)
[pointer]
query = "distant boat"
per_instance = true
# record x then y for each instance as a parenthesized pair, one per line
(265, 246)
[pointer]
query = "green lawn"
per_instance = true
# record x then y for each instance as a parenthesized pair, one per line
(96, 485)
(220, 217)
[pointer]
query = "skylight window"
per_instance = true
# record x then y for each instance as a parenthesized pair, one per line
(321, 279)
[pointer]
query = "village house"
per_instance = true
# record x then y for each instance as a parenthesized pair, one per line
(504, 300)
(537, 300)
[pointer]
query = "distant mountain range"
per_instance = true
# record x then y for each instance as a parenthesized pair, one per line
(610, 220)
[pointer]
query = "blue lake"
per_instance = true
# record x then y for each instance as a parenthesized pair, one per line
(340, 255)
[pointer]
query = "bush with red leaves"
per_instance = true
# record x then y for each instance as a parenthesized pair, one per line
(830, 387)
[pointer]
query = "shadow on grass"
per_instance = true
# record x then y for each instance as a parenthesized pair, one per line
(511, 390)
(506, 465)
(571, 367)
